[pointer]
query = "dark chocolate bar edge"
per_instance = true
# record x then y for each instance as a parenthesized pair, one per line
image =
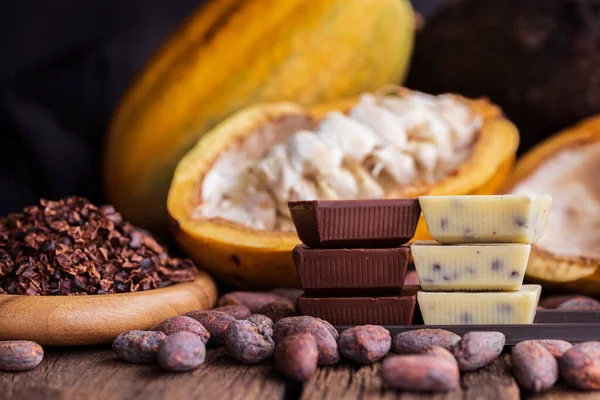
(361, 310)
(343, 223)
(351, 271)
(566, 316)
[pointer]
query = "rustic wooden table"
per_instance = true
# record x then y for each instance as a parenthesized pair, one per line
(95, 373)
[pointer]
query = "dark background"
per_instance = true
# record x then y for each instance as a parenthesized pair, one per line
(64, 66)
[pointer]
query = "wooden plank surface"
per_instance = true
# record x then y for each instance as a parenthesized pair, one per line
(345, 382)
(98, 374)
(95, 373)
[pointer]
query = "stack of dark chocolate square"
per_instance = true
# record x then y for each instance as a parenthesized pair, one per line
(353, 260)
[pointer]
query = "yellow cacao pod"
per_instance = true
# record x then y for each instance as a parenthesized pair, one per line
(234, 53)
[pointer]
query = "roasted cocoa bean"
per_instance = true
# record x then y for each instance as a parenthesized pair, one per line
(534, 367)
(478, 349)
(277, 311)
(580, 303)
(20, 355)
(365, 344)
(420, 373)
(555, 347)
(554, 301)
(248, 342)
(253, 300)
(440, 352)
(281, 327)
(411, 278)
(292, 320)
(291, 293)
(580, 366)
(330, 328)
(264, 322)
(181, 351)
(326, 342)
(138, 346)
(296, 356)
(215, 322)
(182, 324)
(414, 342)
(237, 311)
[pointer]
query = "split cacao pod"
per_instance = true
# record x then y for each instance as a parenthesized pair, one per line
(566, 165)
(252, 258)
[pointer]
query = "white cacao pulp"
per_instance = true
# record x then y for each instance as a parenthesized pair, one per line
(382, 143)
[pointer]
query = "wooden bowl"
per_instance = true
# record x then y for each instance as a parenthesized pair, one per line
(98, 319)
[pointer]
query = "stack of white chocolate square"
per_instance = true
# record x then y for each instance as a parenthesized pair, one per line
(474, 273)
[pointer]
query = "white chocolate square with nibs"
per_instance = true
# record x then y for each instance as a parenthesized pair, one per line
(486, 219)
(470, 267)
(479, 308)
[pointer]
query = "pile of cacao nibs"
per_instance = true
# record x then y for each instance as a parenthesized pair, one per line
(72, 247)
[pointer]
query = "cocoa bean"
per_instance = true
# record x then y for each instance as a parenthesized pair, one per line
(440, 352)
(181, 351)
(253, 300)
(365, 344)
(215, 322)
(420, 373)
(413, 342)
(182, 324)
(264, 322)
(248, 342)
(580, 365)
(291, 293)
(555, 347)
(552, 302)
(534, 367)
(237, 311)
(326, 342)
(330, 328)
(580, 303)
(138, 346)
(478, 349)
(281, 327)
(277, 311)
(296, 356)
(20, 355)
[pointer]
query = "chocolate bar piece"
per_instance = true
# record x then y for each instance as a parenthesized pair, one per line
(573, 333)
(351, 270)
(486, 219)
(464, 308)
(381, 310)
(355, 223)
(470, 267)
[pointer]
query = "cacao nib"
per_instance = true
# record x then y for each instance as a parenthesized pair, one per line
(72, 247)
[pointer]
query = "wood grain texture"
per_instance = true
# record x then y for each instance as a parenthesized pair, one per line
(343, 382)
(564, 393)
(95, 373)
(98, 319)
